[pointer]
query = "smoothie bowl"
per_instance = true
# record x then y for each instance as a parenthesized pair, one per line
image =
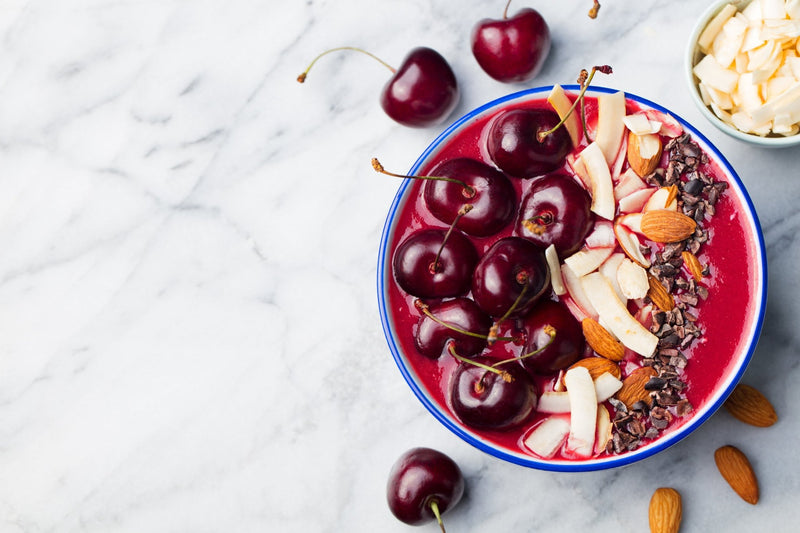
(577, 302)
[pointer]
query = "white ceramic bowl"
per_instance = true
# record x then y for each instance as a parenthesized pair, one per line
(741, 357)
(693, 55)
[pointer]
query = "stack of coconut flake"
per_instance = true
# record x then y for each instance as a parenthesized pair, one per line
(750, 74)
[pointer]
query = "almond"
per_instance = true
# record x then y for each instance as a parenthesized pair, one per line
(659, 295)
(602, 341)
(597, 366)
(750, 406)
(666, 511)
(737, 471)
(644, 153)
(633, 390)
(693, 264)
(665, 226)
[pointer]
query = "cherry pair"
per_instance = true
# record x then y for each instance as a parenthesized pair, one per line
(424, 90)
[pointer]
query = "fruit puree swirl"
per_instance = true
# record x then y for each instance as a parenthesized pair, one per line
(555, 282)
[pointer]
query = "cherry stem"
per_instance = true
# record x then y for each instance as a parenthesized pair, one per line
(505, 11)
(424, 309)
(538, 224)
(605, 69)
(466, 208)
(470, 192)
(550, 330)
(522, 279)
(508, 378)
(582, 81)
(594, 9)
(434, 505)
(302, 77)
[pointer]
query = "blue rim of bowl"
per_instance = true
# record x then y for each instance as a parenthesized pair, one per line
(449, 420)
(689, 57)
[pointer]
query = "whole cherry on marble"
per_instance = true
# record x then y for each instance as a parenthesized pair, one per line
(512, 49)
(421, 93)
(423, 484)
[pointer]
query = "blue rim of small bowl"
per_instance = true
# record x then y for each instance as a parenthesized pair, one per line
(691, 54)
(449, 421)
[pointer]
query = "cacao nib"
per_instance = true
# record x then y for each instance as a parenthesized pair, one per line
(677, 384)
(702, 292)
(660, 423)
(636, 427)
(683, 407)
(672, 250)
(651, 433)
(693, 187)
(691, 150)
(690, 200)
(669, 341)
(678, 361)
(655, 383)
(618, 405)
(699, 213)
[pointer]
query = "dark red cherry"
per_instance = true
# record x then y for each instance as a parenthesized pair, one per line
(556, 210)
(423, 91)
(516, 146)
(488, 400)
(420, 273)
(566, 347)
(510, 277)
(423, 484)
(512, 49)
(488, 190)
(447, 321)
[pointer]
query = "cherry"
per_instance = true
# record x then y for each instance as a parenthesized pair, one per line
(435, 263)
(519, 144)
(459, 322)
(510, 277)
(461, 182)
(422, 92)
(556, 210)
(423, 484)
(487, 189)
(552, 353)
(492, 400)
(512, 49)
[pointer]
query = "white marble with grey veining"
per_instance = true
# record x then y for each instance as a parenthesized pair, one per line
(189, 335)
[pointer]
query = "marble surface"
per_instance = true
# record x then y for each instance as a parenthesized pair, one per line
(189, 334)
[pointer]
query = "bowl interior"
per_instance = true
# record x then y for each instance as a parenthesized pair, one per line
(693, 56)
(702, 412)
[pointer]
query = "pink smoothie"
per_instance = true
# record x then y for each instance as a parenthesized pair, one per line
(723, 317)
